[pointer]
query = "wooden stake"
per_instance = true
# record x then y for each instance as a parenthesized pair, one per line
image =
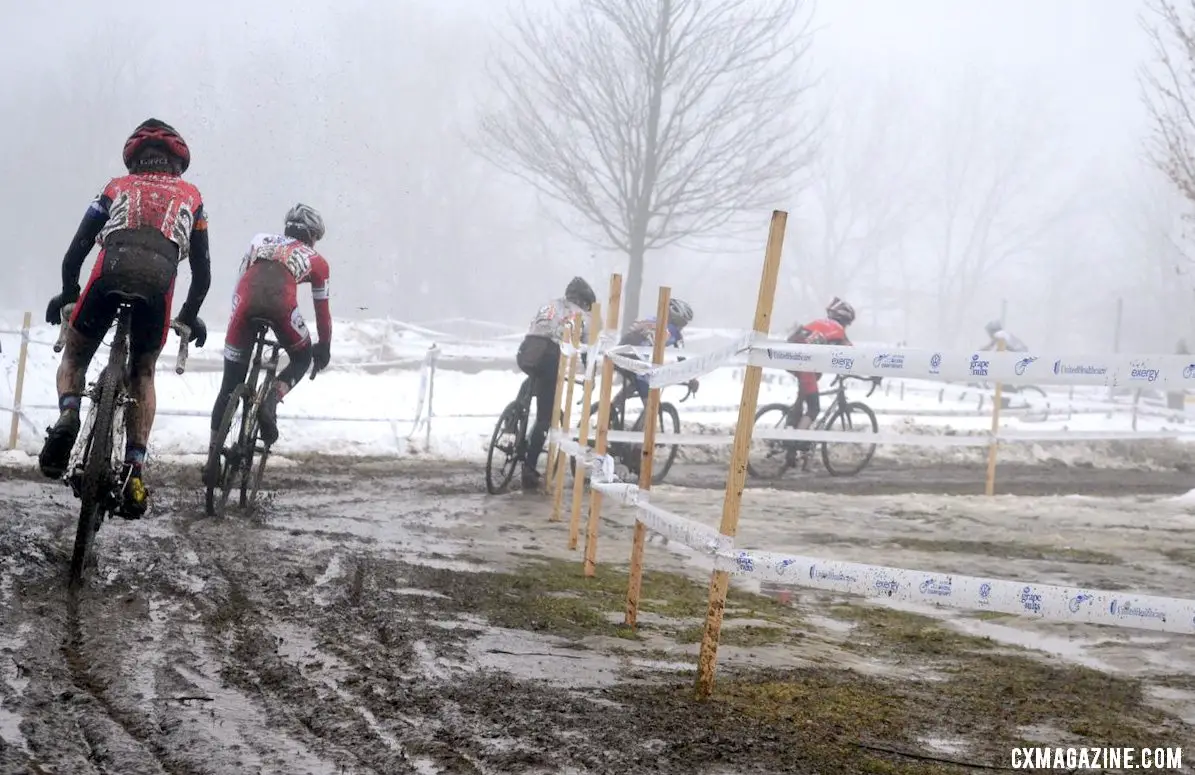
(574, 525)
(15, 428)
(736, 479)
(603, 427)
(989, 486)
(635, 580)
(553, 447)
(566, 425)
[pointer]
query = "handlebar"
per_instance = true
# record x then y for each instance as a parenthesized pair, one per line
(183, 331)
(841, 379)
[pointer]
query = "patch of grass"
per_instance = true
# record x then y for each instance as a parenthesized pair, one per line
(1008, 550)
(985, 700)
(902, 634)
(744, 636)
(554, 596)
(987, 616)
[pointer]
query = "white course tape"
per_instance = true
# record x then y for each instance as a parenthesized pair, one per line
(694, 367)
(1146, 371)
(978, 439)
(1040, 601)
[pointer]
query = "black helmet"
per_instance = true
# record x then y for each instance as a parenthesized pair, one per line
(579, 293)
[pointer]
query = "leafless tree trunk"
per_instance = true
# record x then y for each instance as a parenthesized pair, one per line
(654, 121)
(860, 195)
(1168, 89)
(992, 203)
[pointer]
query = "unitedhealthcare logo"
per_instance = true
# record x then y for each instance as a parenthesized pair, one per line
(1066, 368)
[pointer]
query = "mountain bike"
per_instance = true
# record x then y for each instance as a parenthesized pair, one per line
(629, 453)
(231, 464)
(95, 477)
(849, 415)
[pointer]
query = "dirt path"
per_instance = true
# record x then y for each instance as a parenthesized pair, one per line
(386, 617)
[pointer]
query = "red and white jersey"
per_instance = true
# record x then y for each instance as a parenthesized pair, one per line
(305, 263)
(160, 201)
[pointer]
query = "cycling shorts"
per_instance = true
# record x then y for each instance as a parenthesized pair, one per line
(137, 267)
(266, 294)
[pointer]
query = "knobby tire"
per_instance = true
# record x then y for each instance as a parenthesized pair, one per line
(850, 412)
(497, 482)
(775, 449)
(97, 465)
(218, 459)
(668, 421)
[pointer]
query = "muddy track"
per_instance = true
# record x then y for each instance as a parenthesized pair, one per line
(349, 625)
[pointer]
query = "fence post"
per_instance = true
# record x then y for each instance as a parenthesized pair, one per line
(434, 352)
(736, 477)
(574, 524)
(566, 424)
(635, 578)
(603, 427)
(554, 426)
(989, 486)
(15, 428)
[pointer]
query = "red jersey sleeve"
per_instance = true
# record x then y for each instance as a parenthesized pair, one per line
(319, 277)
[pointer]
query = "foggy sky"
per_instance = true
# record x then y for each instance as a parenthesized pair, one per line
(363, 109)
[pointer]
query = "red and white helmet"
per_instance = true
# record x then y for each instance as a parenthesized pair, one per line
(840, 311)
(152, 133)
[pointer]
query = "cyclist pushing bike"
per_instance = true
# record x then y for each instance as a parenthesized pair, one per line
(146, 223)
(830, 330)
(267, 293)
(642, 333)
(539, 358)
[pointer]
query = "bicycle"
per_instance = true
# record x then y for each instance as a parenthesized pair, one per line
(840, 411)
(513, 421)
(1037, 403)
(236, 459)
(629, 453)
(95, 478)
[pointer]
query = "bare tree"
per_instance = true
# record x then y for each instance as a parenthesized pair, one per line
(992, 197)
(1168, 89)
(860, 201)
(654, 121)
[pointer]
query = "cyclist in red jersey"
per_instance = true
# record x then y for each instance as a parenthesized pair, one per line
(268, 289)
(146, 223)
(830, 330)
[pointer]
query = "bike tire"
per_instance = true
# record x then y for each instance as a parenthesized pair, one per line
(218, 456)
(667, 421)
(496, 482)
(261, 470)
(780, 449)
(1032, 394)
(236, 461)
(844, 414)
(97, 469)
(250, 437)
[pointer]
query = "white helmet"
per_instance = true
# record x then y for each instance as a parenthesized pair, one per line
(304, 222)
(679, 313)
(841, 311)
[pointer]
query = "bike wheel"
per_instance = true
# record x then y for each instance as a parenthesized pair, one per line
(668, 421)
(1037, 404)
(770, 458)
(97, 471)
(249, 438)
(498, 479)
(853, 418)
(221, 459)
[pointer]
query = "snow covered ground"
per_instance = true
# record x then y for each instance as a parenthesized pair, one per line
(369, 401)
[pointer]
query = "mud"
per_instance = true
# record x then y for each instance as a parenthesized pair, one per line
(386, 617)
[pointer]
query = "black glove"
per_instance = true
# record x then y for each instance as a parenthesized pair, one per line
(197, 326)
(321, 354)
(693, 385)
(54, 308)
